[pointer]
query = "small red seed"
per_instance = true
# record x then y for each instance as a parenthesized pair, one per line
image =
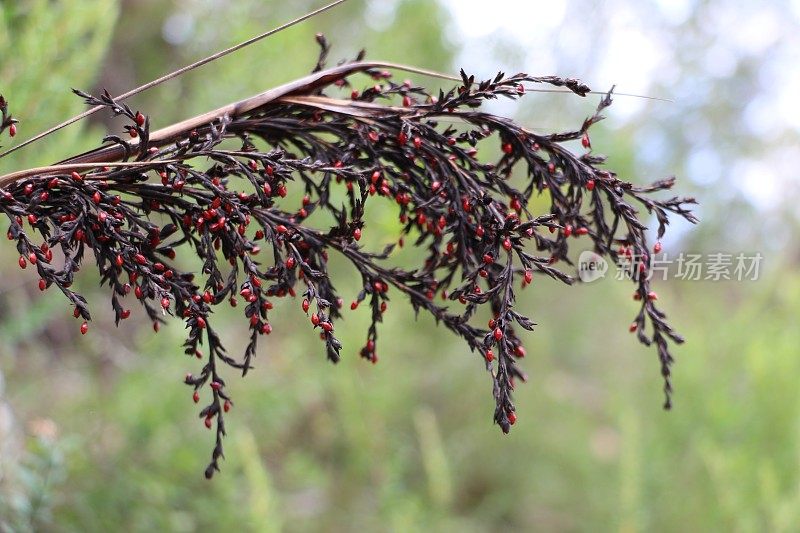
(657, 247)
(165, 302)
(306, 305)
(528, 276)
(139, 119)
(498, 334)
(42, 284)
(357, 234)
(84, 328)
(315, 319)
(22, 262)
(12, 130)
(590, 185)
(512, 418)
(196, 396)
(353, 305)
(208, 422)
(489, 355)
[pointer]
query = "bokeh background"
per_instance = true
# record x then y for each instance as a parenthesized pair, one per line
(97, 433)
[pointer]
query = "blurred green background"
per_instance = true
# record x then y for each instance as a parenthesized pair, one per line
(97, 433)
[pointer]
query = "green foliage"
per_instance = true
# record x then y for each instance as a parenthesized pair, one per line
(46, 48)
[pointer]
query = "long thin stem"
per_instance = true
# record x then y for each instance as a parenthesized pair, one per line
(177, 73)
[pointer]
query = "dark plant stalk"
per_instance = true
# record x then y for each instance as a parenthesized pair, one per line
(190, 189)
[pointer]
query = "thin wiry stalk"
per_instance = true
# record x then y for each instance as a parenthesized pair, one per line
(215, 187)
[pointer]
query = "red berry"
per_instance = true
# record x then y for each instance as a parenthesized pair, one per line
(585, 141)
(226, 406)
(528, 276)
(22, 262)
(489, 355)
(42, 284)
(216, 385)
(125, 314)
(84, 328)
(290, 262)
(201, 322)
(208, 422)
(32, 258)
(512, 418)
(315, 319)
(633, 327)
(354, 305)
(139, 119)
(657, 247)
(519, 351)
(165, 302)
(357, 234)
(507, 245)
(196, 396)
(406, 101)
(498, 334)
(652, 296)
(417, 142)
(12, 130)
(508, 148)
(567, 230)
(305, 305)
(581, 231)
(96, 197)
(488, 259)
(590, 185)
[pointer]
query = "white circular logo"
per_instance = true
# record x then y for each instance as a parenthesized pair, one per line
(591, 267)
